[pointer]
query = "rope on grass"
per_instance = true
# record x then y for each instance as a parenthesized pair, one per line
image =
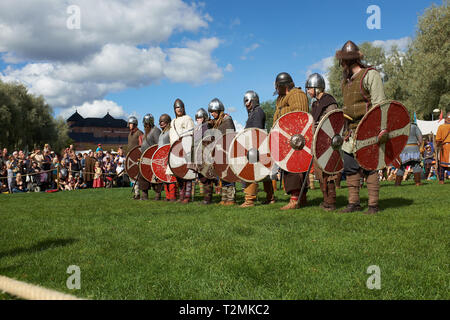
(31, 292)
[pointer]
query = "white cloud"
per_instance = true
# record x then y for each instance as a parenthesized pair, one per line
(117, 67)
(239, 127)
(37, 30)
(229, 68)
(321, 67)
(96, 109)
(401, 43)
(247, 50)
(231, 109)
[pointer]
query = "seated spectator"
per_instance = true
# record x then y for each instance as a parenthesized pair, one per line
(432, 174)
(99, 148)
(80, 184)
(18, 184)
(428, 159)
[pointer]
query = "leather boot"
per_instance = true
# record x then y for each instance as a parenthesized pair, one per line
(338, 180)
(207, 191)
(144, 195)
(311, 181)
(353, 185)
(250, 195)
(268, 189)
(398, 180)
(373, 189)
(417, 178)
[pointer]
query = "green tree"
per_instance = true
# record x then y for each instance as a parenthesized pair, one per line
(426, 69)
(269, 109)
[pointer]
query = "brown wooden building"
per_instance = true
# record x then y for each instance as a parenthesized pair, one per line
(87, 133)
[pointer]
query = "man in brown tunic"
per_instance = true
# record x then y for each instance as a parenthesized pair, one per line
(89, 168)
(290, 99)
(134, 139)
(315, 86)
(362, 88)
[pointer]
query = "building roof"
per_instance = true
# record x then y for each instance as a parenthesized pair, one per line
(107, 121)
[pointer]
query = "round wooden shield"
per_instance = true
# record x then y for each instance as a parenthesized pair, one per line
(145, 163)
(381, 135)
(290, 141)
(180, 160)
(159, 164)
(249, 155)
(132, 162)
(327, 142)
(220, 158)
(203, 158)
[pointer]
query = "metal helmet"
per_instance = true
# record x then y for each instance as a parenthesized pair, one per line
(349, 51)
(149, 120)
(283, 79)
(133, 120)
(201, 113)
(179, 104)
(216, 105)
(251, 96)
(315, 80)
(165, 118)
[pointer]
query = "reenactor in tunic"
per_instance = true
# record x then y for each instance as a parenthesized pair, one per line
(256, 119)
(164, 138)
(362, 88)
(149, 139)
(290, 99)
(181, 126)
(202, 118)
(411, 156)
(324, 103)
(224, 123)
(134, 139)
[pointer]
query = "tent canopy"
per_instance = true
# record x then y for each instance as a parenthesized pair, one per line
(427, 127)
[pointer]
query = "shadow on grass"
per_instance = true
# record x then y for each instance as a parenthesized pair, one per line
(394, 202)
(40, 246)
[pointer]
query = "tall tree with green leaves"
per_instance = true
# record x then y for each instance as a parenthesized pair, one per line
(426, 75)
(269, 109)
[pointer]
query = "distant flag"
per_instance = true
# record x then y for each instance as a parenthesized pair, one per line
(441, 116)
(415, 117)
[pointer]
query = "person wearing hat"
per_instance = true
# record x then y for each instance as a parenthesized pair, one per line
(290, 99)
(324, 103)
(224, 123)
(149, 139)
(362, 88)
(134, 139)
(99, 148)
(181, 126)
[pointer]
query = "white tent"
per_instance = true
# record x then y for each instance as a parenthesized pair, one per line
(427, 127)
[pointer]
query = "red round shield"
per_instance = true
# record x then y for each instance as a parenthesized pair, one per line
(327, 142)
(381, 135)
(180, 161)
(204, 160)
(249, 155)
(159, 164)
(220, 158)
(132, 162)
(290, 141)
(145, 163)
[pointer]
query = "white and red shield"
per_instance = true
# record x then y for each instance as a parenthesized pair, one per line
(132, 162)
(203, 158)
(220, 158)
(381, 135)
(180, 160)
(159, 163)
(145, 164)
(249, 155)
(328, 140)
(290, 141)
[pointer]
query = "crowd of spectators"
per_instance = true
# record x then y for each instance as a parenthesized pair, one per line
(46, 170)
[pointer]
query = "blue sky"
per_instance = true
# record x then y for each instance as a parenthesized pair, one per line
(233, 46)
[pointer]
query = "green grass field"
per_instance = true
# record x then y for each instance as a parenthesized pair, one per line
(129, 249)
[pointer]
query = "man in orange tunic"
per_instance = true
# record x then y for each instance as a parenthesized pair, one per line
(443, 146)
